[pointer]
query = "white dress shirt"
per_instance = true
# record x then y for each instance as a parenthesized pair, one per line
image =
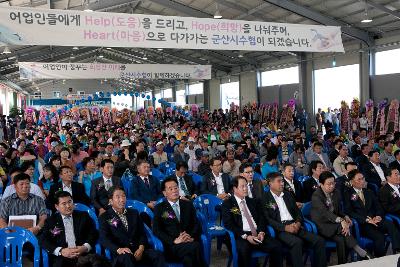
(246, 226)
(67, 188)
(395, 188)
(56, 252)
(291, 184)
(220, 184)
(283, 211)
(379, 171)
(249, 193)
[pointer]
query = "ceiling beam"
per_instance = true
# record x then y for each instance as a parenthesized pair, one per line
(322, 19)
(383, 9)
(182, 8)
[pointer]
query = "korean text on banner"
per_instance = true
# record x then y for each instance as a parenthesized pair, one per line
(41, 70)
(31, 26)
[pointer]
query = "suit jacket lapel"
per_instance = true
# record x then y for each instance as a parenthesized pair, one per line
(60, 224)
(272, 201)
(236, 204)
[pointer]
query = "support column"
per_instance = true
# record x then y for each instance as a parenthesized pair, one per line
(206, 94)
(215, 94)
(367, 66)
(174, 87)
(306, 82)
(248, 88)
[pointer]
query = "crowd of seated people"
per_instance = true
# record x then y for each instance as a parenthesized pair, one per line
(309, 188)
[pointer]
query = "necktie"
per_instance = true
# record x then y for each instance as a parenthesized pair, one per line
(108, 184)
(182, 185)
(146, 182)
(176, 210)
(251, 192)
(69, 232)
(124, 220)
(248, 218)
(361, 195)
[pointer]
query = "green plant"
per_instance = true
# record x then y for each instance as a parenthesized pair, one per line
(16, 111)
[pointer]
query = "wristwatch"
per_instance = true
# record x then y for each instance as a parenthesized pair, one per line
(244, 236)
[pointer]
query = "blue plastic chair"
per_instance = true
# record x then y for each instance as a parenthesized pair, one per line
(257, 176)
(167, 167)
(157, 244)
(210, 206)
(373, 187)
(12, 247)
(233, 259)
(160, 200)
(306, 209)
(197, 179)
(92, 214)
(140, 207)
(266, 188)
(158, 174)
(126, 180)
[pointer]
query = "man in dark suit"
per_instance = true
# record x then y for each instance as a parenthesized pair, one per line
(361, 204)
(282, 213)
(396, 163)
(291, 185)
(215, 182)
(363, 158)
(335, 151)
(180, 155)
(77, 190)
(312, 184)
(176, 225)
(100, 186)
(145, 187)
(187, 188)
(356, 148)
(122, 232)
(343, 182)
(244, 218)
(256, 188)
(389, 195)
(374, 170)
(69, 236)
(330, 219)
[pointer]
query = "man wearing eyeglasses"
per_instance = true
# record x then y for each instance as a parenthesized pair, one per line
(255, 186)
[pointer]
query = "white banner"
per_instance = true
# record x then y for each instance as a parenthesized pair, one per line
(31, 26)
(41, 70)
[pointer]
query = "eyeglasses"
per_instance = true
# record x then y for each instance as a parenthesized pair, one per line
(249, 172)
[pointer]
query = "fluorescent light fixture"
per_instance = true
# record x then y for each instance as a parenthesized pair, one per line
(159, 49)
(75, 48)
(108, 48)
(101, 56)
(145, 57)
(6, 50)
(217, 14)
(366, 20)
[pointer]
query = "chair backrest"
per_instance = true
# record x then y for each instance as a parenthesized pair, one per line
(197, 178)
(92, 214)
(167, 166)
(126, 180)
(158, 174)
(160, 200)
(266, 188)
(207, 205)
(12, 240)
(139, 206)
(306, 210)
(257, 176)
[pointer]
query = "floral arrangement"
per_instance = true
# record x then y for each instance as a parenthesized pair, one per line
(369, 112)
(393, 116)
(355, 113)
(354, 197)
(168, 215)
(380, 118)
(344, 116)
(272, 205)
(56, 231)
(235, 211)
(113, 222)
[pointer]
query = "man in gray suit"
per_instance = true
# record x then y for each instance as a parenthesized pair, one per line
(331, 221)
(319, 155)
